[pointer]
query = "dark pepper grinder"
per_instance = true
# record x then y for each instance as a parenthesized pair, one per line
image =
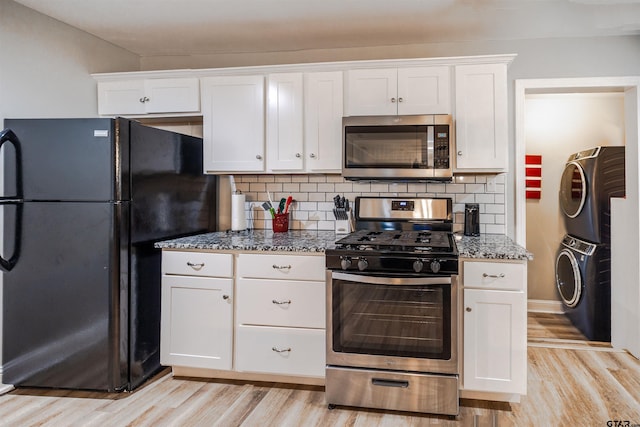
(471, 219)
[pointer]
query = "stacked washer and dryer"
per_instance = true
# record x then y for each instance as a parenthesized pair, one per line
(583, 263)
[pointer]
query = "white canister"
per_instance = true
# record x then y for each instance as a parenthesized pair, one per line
(238, 215)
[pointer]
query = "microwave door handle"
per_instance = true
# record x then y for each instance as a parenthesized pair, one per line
(430, 148)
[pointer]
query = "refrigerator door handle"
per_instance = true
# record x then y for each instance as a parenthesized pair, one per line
(7, 264)
(8, 135)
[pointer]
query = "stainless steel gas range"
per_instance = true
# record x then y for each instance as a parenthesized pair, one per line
(392, 298)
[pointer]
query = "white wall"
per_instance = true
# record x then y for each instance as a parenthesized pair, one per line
(45, 70)
(558, 125)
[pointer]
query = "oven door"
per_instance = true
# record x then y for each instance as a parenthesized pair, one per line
(405, 323)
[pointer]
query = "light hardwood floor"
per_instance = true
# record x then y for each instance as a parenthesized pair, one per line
(571, 382)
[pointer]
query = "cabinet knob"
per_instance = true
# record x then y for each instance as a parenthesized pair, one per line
(459, 153)
(312, 155)
(468, 309)
(144, 99)
(400, 99)
(393, 100)
(298, 155)
(225, 297)
(258, 156)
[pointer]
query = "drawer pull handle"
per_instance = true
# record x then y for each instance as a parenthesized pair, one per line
(493, 276)
(281, 267)
(390, 383)
(197, 266)
(275, 301)
(281, 350)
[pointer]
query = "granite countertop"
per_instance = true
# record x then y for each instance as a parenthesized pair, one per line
(491, 246)
(485, 246)
(256, 240)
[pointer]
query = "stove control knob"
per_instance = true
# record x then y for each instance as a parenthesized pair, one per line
(435, 266)
(417, 265)
(362, 264)
(345, 262)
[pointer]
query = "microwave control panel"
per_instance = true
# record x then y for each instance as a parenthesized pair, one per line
(441, 147)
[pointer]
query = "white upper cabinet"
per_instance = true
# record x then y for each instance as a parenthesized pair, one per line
(149, 96)
(285, 112)
(481, 118)
(323, 111)
(233, 123)
(304, 122)
(398, 91)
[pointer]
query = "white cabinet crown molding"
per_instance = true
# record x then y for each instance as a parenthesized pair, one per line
(309, 67)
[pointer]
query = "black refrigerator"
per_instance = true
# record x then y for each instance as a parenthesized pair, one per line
(83, 202)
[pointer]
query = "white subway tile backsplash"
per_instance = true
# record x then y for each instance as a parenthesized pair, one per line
(313, 195)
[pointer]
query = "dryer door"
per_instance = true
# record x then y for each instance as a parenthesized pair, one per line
(568, 278)
(573, 189)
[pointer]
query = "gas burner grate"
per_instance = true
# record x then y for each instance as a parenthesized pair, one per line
(398, 241)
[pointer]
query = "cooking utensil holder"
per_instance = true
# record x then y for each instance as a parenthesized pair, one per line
(280, 223)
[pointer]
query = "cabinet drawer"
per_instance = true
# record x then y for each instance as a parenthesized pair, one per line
(494, 275)
(197, 264)
(281, 303)
(293, 267)
(287, 351)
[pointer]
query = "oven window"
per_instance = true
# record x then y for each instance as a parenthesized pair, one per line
(397, 147)
(403, 321)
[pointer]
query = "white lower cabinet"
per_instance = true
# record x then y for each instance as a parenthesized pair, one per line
(196, 321)
(280, 319)
(267, 319)
(495, 327)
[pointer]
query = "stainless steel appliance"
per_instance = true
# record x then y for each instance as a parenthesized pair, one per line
(392, 308)
(398, 147)
(84, 201)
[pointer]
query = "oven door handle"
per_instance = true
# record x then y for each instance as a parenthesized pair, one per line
(376, 280)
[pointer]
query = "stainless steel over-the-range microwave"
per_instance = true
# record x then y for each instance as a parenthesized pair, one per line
(397, 147)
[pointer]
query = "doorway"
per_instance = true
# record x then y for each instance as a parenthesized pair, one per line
(625, 215)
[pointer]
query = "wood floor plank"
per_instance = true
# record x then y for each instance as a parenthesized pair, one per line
(571, 381)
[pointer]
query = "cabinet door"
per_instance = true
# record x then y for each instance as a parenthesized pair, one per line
(323, 98)
(372, 92)
(196, 322)
(181, 95)
(284, 122)
(495, 341)
(121, 97)
(233, 123)
(481, 118)
(424, 90)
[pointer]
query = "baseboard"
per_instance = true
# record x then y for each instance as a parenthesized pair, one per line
(544, 306)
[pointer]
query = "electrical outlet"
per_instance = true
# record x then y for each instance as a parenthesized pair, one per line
(491, 185)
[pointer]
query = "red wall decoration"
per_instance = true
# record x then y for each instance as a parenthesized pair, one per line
(533, 176)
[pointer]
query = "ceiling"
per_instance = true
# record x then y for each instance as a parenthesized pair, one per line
(201, 27)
